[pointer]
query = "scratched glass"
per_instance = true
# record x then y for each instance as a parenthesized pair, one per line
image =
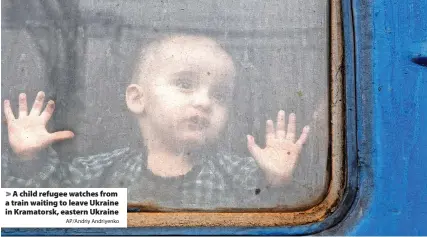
(169, 99)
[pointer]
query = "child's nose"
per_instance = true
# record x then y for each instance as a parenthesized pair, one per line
(201, 99)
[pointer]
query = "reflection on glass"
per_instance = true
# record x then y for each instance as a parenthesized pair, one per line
(183, 118)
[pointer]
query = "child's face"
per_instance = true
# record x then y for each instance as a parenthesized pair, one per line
(189, 85)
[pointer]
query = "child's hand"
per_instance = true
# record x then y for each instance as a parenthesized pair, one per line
(27, 133)
(280, 155)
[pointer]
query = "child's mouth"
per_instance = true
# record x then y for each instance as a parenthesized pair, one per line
(198, 123)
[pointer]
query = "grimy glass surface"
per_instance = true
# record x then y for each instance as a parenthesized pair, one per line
(210, 73)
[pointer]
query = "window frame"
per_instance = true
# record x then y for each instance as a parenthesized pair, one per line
(343, 168)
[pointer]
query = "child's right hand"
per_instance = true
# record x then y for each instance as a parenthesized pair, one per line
(27, 133)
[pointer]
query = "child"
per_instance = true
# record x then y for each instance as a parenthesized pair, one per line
(180, 92)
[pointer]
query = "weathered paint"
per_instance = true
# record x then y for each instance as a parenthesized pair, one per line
(399, 144)
(391, 39)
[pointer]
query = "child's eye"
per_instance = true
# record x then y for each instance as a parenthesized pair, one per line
(185, 84)
(220, 96)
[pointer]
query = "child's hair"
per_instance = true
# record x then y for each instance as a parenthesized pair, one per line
(147, 52)
(142, 56)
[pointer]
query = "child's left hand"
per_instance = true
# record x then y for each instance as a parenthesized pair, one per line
(280, 155)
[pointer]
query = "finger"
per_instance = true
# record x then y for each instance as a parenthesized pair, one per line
(38, 103)
(48, 111)
(280, 127)
(290, 134)
(8, 111)
(23, 105)
(269, 132)
(304, 135)
(253, 148)
(60, 136)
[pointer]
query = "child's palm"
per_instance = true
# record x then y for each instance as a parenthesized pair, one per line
(280, 155)
(27, 133)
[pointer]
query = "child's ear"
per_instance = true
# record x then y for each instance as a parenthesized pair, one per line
(135, 99)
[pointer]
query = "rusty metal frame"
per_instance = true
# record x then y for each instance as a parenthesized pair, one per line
(337, 167)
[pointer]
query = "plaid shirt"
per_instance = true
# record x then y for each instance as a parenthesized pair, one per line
(218, 181)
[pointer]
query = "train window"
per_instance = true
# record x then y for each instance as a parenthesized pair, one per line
(228, 112)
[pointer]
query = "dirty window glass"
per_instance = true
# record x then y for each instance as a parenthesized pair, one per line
(171, 100)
